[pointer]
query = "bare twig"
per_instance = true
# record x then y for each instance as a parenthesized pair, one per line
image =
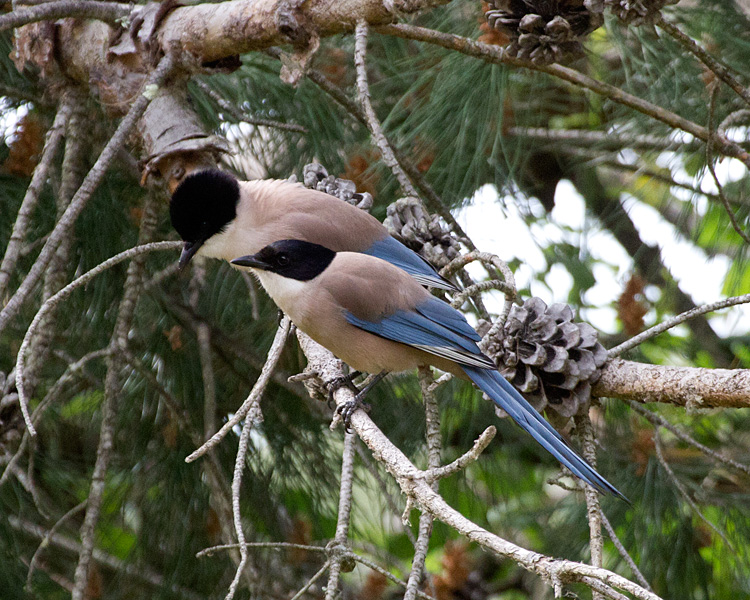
(274, 353)
(30, 199)
(660, 421)
(46, 540)
(360, 53)
(480, 444)
(593, 507)
(338, 548)
(479, 288)
(674, 321)
(239, 466)
(110, 12)
(434, 447)
(273, 545)
(61, 296)
(81, 197)
(601, 590)
(251, 409)
(705, 57)
(602, 139)
(684, 492)
(735, 118)
(624, 553)
(508, 287)
(714, 92)
(303, 590)
(244, 117)
(112, 391)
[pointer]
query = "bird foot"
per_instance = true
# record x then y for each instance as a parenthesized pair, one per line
(339, 382)
(347, 409)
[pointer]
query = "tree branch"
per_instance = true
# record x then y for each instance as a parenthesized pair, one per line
(38, 180)
(496, 55)
(705, 57)
(81, 197)
(691, 387)
(414, 485)
(111, 12)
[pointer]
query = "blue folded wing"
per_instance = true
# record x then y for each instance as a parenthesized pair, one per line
(391, 250)
(435, 327)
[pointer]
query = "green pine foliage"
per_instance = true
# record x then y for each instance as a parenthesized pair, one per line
(449, 114)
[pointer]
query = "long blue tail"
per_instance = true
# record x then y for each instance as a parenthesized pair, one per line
(510, 400)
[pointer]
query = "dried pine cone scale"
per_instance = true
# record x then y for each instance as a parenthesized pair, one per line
(316, 177)
(543, 31)
(408, 222)
(549, 357)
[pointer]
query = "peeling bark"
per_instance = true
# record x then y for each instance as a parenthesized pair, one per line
(114, 62)
(210, 32)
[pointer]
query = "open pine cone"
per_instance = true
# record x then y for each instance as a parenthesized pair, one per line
(408, 221)
(316, 177)
(543, 31)
(551, 359)
(632, 12)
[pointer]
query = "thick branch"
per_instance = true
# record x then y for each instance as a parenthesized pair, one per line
(691, 387)
(215, 31)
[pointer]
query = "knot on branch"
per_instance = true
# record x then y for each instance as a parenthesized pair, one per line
(541, 31)
(410, 223)
(550, 358)
(631, 12)
(340, 552)
(316, 177)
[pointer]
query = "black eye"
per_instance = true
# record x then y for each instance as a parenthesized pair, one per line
(282, 260)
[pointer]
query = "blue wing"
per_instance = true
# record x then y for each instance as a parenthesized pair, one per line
(434, 327)
(394, 252)
(437, 328)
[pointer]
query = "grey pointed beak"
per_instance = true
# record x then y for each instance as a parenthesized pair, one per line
(188, 251)
(251, 261)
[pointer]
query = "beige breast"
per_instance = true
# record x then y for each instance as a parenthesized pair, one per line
(370, 289)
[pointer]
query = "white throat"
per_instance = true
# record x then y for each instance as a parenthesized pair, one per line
(285, 292)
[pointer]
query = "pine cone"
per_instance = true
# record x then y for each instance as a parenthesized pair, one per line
(547, 356)
(543, 31)
(408, 221)
(637, 12)
(315, 176)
